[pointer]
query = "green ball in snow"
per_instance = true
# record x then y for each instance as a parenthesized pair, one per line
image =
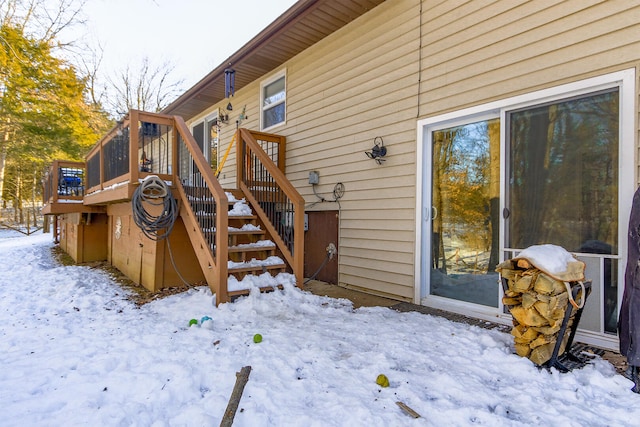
(193, 322)
(257, 338)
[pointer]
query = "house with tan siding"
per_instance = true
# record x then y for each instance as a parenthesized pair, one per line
(505, 124)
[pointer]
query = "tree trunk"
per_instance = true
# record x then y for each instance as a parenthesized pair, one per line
(18, 200)
(3, 160)
(436, 213)
(34, 193)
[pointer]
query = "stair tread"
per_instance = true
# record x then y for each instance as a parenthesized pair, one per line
(246, 232)
(246, 291)
(256, 268)
(201, 212)
(249, 248)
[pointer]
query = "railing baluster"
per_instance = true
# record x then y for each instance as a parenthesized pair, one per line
(200, 197)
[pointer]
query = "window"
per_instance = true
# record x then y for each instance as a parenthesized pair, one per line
(273, 96)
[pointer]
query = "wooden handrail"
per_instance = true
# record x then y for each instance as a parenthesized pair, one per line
(296, 259)
(272, 168)
(199, 159)
(160, 119)
(277, 139)
(219, 274)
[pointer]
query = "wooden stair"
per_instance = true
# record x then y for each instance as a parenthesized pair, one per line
(251, 253)
(220, 234)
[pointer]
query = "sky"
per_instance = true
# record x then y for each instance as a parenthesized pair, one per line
(74, 351)
(194, 35)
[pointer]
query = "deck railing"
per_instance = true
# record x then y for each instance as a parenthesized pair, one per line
(147, 143)
(274, 198)
(207, 206)
(273, 146)
(65, 180)
(141, 144)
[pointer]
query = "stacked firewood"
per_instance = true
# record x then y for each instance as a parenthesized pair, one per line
(538, 303)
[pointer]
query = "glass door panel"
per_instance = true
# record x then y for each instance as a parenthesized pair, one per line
(465, 212)
(563, 186)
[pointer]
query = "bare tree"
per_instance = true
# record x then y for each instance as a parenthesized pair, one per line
(42, 19)
(145, 87)
(88, 64)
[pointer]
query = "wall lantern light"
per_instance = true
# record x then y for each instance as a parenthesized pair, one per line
(378, 151)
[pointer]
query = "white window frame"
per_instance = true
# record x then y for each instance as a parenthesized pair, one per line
(263, 85)
(625, 82)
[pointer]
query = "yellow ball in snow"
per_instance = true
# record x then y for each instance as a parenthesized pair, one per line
(382, 380)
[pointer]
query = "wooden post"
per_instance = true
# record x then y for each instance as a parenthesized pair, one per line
(56, 234)
(134, 124)
(240, 160)
(241, 380)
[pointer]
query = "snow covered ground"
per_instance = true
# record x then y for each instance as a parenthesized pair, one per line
(75, 352)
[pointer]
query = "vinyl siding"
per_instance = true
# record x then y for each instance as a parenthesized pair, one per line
(358, 84)
(503, 51)
(377, 77)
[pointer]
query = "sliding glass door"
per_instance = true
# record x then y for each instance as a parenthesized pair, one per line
(555, 166)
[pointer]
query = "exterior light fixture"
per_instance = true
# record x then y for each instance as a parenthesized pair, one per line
(378, 151)
(223, 118)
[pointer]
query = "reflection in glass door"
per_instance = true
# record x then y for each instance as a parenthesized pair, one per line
(465, 212)
(213, 139)
(564, 183)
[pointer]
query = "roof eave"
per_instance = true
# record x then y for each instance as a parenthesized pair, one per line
(251, 46)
